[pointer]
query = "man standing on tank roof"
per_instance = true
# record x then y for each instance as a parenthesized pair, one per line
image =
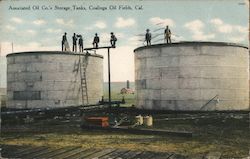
(74, 42)
(64, 41)
(113, 39)
(80, 43)
(167, 34)
(96, 41)
(148, 37)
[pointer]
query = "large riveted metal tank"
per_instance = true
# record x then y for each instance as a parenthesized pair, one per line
(192, 76)
(52, 79)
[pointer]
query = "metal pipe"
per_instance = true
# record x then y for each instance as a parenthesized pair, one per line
(109, 79)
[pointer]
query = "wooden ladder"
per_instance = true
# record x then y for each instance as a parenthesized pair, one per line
(83, 63)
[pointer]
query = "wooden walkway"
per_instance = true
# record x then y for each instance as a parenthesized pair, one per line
(43, 152)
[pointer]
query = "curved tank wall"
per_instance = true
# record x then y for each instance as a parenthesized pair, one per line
(192, 76)
(51, 79)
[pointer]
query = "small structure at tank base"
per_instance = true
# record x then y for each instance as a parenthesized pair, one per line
(127, 90)
(53, 79)
(192, 76)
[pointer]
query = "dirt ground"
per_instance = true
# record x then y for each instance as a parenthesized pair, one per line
(227, 133)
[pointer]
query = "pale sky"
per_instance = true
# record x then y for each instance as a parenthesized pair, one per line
(189, 20)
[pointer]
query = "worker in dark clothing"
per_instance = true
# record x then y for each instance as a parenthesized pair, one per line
(148, 37)
(113, 39)
(80, 43)
(74, 42)
(167, 34)
(96, 41)
(64, 41)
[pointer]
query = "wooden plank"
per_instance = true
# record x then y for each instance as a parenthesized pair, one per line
(177, 156)
(144, 155)
(129, 154)
(32, 156)
(7, 147)
(44, 153)
(28, 155)
(196, 156)
(114, 154)
(100, 153)
(60, 156)
(29, 152)
(163, 155)
(84, 154)
(74, 152)
(150, 155)
(78, 152)
(59, 152)
(51, 151)
(154, 155)
(10, 150)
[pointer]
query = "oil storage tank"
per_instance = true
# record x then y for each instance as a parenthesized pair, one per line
(192, 76)
(53, 79)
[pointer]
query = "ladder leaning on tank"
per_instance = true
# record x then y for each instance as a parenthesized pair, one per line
(83, 63)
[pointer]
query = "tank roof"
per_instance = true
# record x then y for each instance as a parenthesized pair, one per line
(191, 43)
(50, 53)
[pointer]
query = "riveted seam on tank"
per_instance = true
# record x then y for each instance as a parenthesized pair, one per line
(48, 53)
(191, 43)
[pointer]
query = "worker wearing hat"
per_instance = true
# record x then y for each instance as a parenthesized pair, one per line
(64, 41)
(74, 39)
(80, 43)
(113, 39)
(96, 41)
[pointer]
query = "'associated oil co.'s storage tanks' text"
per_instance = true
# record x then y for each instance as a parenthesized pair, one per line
(192, 76)
(53, 79)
